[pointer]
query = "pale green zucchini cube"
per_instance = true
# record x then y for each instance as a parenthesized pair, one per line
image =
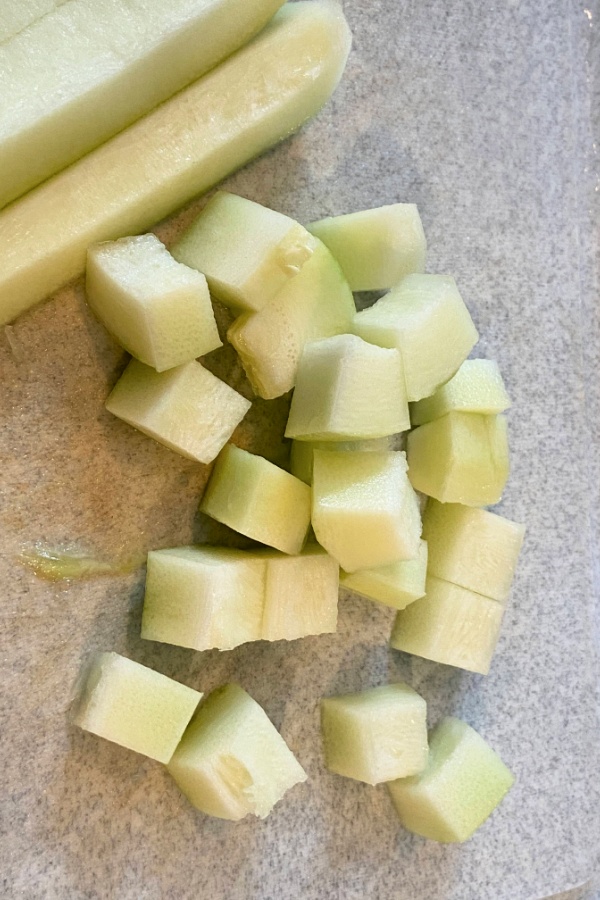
(395, 585)
(158, 310)
(301, 453)
(347, 389)
(232, 761)
(477, 387)
(188, 409)
(257, 498)
(316, 303)
(301, 594)
(473, 548)
(450, 625)
(460, 458)
(425, 318)
(134, 706)
(365, 512)
(247, 251)
(376, 735)
(375, 247)
(203, 597)
(464, 782)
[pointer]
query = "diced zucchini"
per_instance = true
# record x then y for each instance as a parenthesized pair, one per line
(460, 458)
(158, 309)
(301, 454)
(473, 548)
(375, 247)
(247, 251)
(232, 761)
(425, 318)
(217, 597)
(450, 625)
(365, 512)
(477, 387)
(376, 735)
(188, 409)
(135, 707)
(316, 303)
(203, 597)
(347, 389)
(257, 498)
(463, 783)
(301, 595)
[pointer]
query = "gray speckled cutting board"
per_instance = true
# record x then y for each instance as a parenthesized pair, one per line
(484, 115)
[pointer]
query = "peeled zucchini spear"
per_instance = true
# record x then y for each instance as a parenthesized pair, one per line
(259, 96)
(78, 75)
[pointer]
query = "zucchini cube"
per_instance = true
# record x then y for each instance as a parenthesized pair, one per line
(301, 453)
(158, 309)
(247, 251)
(460, 458)
(203, 597)
(464, 782)
(301, 594)
(257, 498)
(349, 390)
(395, 585)
(316, 303)
(375, 247)
(425, 318)
(188, 409)
(450, 625)
(232, 761)
(477, 387)
(134, 706)
(473, 548)
(376, 735)
(364, 510)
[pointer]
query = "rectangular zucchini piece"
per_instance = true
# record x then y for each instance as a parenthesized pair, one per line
(450, 625)
(301, 453)
(188, 409)
(477, 387)
(246, 251)
(364, 510)
(301, 594)
(232, 761)
(376, 735)
(248, 103)
(348, 390)
(255, 497)
(203, 597)
(375, 247)
(425, 317)
(134, 706)
(474, 548)
(158, 309)
(460, 458)
(87, 69)
(463, 783)
(218, 597)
